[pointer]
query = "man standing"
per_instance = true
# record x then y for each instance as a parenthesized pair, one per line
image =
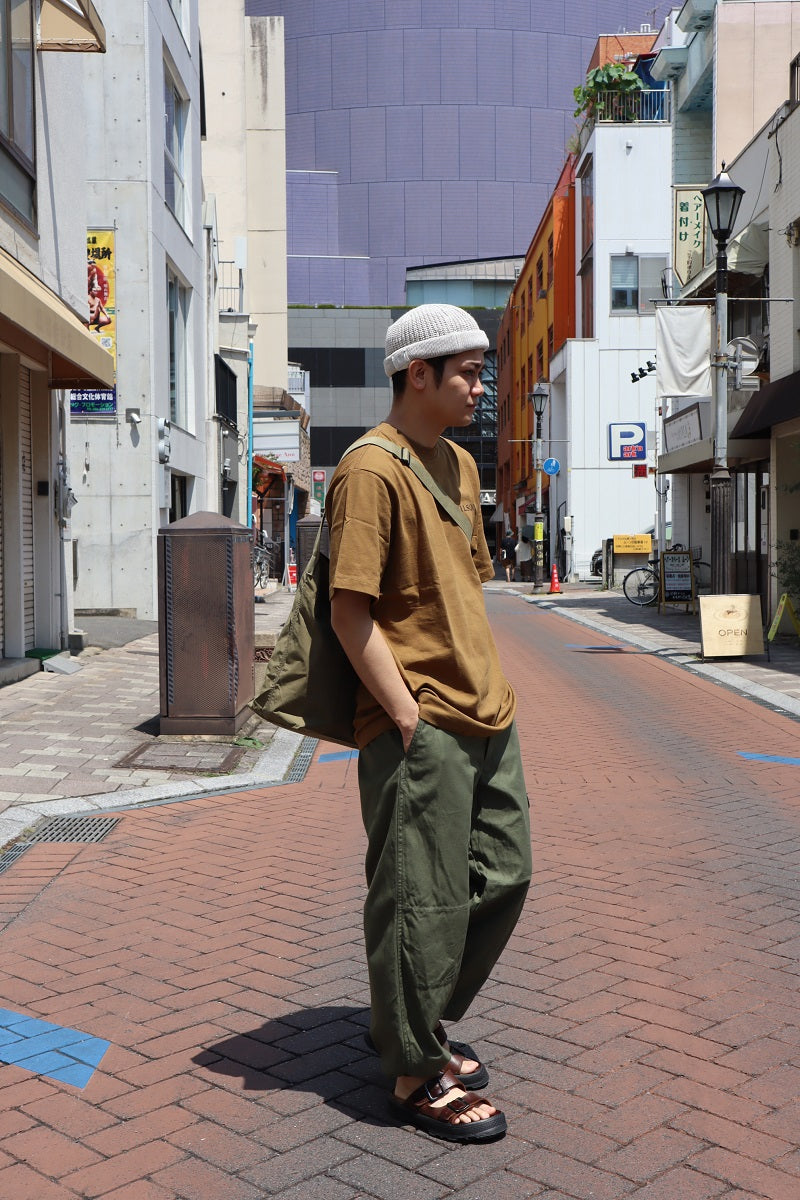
(442, 793)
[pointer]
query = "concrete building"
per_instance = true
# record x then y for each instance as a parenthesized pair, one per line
(244, 169)
(135, 473)
(623, 229)
(422, 133)
(730, 68)
(44, 347)
(537, 321)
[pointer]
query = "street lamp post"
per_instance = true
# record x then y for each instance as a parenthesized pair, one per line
(539, 397)
(722, 198)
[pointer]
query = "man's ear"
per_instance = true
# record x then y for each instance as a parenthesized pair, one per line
(417, 374)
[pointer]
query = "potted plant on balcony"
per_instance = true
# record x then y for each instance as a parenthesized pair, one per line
(610, 93)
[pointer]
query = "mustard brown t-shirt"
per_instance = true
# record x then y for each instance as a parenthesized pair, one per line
(390, 540)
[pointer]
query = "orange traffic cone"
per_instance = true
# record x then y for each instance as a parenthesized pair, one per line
(554, 584)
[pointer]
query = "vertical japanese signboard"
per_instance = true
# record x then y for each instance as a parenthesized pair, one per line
(318, 484)
(102, 319)
(689, 233)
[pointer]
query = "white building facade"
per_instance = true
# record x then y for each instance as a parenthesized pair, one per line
(145, 463)
(623, 227)
(44, 348)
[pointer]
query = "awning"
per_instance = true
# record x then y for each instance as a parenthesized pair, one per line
(776, 402)
(698, 458)
(70, 25)
(37, 324)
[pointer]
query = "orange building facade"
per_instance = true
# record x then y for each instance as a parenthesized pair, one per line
(538, 319)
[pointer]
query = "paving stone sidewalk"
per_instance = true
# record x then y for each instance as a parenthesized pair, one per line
(90, 740)
(641, 1030)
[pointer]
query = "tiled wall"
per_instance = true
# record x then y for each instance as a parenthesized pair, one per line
(444, 122)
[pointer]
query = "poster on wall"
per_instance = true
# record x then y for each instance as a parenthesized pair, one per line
(102, 320)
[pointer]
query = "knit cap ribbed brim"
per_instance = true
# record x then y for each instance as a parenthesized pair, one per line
(429, 331)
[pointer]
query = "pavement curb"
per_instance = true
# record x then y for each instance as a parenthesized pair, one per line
(282, 752)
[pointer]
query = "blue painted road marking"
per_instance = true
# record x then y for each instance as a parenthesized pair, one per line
(46, 1049)
(772, 758)
(340, 756)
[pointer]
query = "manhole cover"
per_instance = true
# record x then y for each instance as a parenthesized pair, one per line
(74, 829)
(179, 756)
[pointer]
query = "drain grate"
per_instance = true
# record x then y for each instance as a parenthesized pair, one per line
(10, 856)
(74, 829)
(302, 761)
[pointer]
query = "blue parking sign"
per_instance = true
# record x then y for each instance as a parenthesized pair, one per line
(627, 441)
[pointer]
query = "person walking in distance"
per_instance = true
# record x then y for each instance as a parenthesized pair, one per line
(443, 797)
(508, 546)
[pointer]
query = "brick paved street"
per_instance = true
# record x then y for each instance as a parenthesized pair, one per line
(642, 1030)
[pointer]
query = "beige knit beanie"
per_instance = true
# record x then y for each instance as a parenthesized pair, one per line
(428, 331)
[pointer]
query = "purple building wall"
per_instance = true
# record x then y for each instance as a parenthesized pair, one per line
(423, 131)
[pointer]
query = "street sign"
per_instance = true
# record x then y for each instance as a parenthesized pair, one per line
(627, 441)
(551, 466)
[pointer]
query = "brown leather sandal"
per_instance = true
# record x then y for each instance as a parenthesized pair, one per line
(479, 1078)
(418, 1110)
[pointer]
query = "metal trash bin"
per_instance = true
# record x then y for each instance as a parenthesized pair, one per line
(206, 624)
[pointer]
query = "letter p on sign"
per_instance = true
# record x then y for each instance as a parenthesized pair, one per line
(627, 442)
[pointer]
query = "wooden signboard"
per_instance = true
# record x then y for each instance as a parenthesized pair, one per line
(676, 578)
(730, 626)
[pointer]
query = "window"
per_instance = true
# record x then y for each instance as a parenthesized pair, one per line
(539, 275)
(17, 149)
(587, 298)
(540, 360)
(550, 344)
(624, 283)
(175, 122)
(636, 282)
(178, 298)
(550, 262)
(587, 208)
(530, 299)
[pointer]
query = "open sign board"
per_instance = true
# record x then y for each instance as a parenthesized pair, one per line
(677, 577)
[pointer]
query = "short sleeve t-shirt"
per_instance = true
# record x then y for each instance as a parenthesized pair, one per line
(390, 540)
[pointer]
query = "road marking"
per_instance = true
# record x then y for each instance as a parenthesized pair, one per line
(341, 756)
(46, 1049)
(772, 758)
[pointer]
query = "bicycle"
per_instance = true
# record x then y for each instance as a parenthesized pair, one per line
(262, 566)
(642, 585)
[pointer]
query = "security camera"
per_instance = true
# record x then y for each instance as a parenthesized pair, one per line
(133, 415)
(137, 420)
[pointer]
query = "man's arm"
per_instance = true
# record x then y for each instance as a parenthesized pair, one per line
(372, 660)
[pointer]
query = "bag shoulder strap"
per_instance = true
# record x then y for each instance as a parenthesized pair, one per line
(423, 475)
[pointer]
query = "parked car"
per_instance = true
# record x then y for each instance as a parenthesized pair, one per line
(597, 562)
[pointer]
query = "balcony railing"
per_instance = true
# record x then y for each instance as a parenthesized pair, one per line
(621, 108)
(230, 287)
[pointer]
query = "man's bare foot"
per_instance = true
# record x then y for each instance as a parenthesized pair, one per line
(406, 1084)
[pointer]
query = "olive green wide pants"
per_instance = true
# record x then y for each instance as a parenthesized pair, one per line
(448, 867)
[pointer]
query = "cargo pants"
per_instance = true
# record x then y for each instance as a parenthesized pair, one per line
(448, 867)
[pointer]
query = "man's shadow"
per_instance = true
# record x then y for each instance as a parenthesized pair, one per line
(317, 1050)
